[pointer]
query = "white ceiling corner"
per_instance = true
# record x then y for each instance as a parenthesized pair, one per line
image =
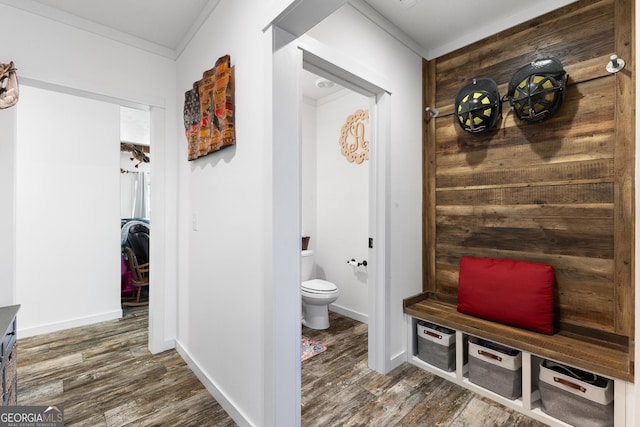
(442, 26)
(163, 28)
(430, 28)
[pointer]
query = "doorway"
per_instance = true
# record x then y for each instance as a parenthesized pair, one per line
(314, 61)
(67, 196)
(289, 57)
(135, 205)
(336, 140)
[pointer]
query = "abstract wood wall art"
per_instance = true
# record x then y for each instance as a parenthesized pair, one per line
(353, 142)
(209, 111)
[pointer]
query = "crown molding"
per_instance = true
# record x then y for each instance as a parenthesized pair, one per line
(390, 28)
(91, 27)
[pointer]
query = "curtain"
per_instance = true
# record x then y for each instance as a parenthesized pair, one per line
(135, 195)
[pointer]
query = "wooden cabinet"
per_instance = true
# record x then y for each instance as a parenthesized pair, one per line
(8, 356)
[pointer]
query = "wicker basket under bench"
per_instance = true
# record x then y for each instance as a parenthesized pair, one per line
(604, 357)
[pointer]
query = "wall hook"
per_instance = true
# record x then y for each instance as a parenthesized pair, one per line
(433, 112)
(616, 64)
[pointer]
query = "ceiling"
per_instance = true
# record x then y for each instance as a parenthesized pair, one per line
(441, 26)
(165, 23)
(428, 27)
(163, 27)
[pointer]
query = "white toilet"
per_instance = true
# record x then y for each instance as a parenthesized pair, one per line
(317, 294)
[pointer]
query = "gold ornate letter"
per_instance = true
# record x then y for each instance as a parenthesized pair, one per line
(355, 148)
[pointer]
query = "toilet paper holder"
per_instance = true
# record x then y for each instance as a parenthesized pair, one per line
(353, 262)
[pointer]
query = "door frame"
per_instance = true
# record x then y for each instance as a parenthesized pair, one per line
(162, 315)
(289, 55)
(324, 62)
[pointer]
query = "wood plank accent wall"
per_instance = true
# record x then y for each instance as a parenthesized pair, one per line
(559, 192)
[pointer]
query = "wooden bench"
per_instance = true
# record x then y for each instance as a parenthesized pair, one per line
(610, 359)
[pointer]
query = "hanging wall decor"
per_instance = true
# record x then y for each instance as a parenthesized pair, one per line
(536, 90)
(478, 105)
(209, 111)
(9, 90)
(353, 142)
(138, 152)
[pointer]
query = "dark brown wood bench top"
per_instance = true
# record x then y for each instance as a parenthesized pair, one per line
(599, 357)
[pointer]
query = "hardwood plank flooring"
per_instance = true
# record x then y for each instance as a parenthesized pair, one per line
(338, 389)
(104, 375)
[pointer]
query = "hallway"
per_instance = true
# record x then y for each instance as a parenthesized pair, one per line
(104, 375)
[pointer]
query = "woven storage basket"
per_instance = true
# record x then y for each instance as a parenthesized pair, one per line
(437, 345)
(495, 367)
(574, 396)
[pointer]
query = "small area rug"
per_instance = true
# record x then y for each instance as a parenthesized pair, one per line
(311, 348)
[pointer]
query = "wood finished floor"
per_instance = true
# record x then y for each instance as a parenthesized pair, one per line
(338, 389)
(103, 375)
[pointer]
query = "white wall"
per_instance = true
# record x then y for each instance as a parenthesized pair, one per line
(8, 120)
(228, 300)
(67, 210)
(342, 206)
(309, 172)
(51, 54)
(222, 276)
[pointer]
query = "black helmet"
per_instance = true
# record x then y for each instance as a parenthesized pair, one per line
(536, 91)
(477, 105)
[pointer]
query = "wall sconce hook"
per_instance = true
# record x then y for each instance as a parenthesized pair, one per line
(616, 64)
(433, 112)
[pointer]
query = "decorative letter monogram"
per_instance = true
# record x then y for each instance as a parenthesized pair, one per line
(352, 137)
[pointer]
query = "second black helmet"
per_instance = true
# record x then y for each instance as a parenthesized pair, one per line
(536, 91)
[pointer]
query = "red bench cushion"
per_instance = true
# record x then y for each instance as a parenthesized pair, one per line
(516, 293)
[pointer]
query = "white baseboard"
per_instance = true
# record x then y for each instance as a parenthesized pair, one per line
(213, 389)
(360, 317)
(162, 346)
(67, 324)
(398, 360)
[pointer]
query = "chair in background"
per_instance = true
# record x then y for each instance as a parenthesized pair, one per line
(134, 233)
(140, 279)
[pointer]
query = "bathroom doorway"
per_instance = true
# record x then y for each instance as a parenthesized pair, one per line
(336, 140)
(283, 293)
(376, 295)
